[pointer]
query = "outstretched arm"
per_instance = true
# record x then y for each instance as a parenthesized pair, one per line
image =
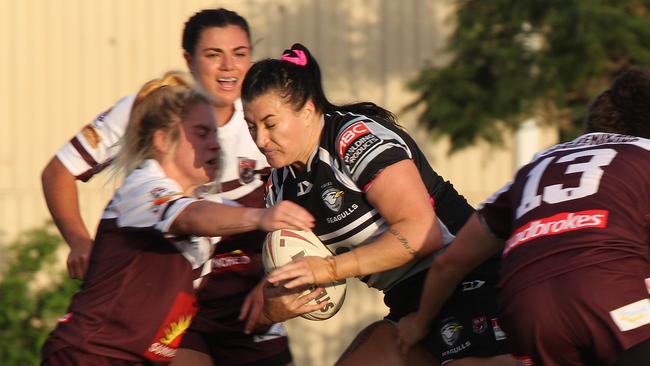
(401, 198)
(206, 218)
(473, 245)
(60, 191)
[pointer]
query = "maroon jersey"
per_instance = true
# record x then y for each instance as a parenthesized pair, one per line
(236, 269)
(137, 297)
(576, 204)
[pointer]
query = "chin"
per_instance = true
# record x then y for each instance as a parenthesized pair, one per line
(225, 97)
(274, 163)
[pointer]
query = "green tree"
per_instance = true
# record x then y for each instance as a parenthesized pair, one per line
(511, 59)
(28, 312)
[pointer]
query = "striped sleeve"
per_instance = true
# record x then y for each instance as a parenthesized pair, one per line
(93, 148)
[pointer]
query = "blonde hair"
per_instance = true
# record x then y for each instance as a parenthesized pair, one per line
(159, 105)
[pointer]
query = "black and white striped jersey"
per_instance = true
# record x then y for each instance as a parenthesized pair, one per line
(353, 150)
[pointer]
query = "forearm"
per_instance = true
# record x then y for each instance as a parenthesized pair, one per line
(61, 196)
(204, 218)
(473, 245)
(400, 244)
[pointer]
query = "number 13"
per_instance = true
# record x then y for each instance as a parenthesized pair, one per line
(589, 180)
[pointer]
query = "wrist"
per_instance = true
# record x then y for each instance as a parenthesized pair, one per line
(346, 265)
(254, 217)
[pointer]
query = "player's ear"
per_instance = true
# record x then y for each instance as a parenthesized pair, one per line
(188, 60)
(308, 111)
(161, 142)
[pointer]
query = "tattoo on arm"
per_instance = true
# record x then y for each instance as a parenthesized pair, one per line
(403, 241)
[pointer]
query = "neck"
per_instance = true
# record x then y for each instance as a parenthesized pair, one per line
(223, 114)
(312, 143)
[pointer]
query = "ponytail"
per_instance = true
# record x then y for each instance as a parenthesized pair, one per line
(297, 78)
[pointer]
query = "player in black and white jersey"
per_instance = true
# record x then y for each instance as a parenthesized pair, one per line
(217, 48)
(573, 229)
(378, 205)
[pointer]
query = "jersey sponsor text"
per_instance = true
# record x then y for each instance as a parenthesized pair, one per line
(557, 224)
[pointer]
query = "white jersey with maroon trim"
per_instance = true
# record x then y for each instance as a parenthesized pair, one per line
(149, 199)
(137, 298)
(353, 150)
(243, 172)
(93, 148)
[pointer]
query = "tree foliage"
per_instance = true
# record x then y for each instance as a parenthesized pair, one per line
(512, 59)
(28, 312)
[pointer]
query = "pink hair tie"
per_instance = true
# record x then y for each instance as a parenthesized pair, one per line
(299, 59)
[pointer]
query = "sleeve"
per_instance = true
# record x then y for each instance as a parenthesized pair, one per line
(155, 204)
(496, 213)
(93, 148)
(365, 147)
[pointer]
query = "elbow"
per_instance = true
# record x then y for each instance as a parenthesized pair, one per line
(47, 173)
(184, 223)
(432, 241)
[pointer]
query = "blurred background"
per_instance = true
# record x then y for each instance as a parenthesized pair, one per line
(482, 85)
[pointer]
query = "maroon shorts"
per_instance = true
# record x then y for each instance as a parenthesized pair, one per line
(66, 355)
(579, 317)
(241, 349)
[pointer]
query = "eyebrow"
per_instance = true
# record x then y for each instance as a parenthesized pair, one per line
(216, 49)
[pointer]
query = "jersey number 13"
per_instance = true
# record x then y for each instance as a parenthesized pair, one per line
(589, 179)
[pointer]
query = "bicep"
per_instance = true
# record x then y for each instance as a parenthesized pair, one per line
(399, 194)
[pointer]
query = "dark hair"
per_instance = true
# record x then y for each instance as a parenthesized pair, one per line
(625, 107)
(209, 18)
(298, 82)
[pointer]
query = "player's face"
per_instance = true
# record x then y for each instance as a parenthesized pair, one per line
(220, 62)
(283, 135)
(195, 160)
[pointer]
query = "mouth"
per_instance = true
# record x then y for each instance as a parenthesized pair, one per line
(214, 162)
(228, 83)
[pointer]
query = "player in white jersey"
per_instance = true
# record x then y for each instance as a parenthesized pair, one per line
(217, 50)
(155, 235)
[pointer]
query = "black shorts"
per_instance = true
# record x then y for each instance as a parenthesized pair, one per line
(468, 323)
(240, 350)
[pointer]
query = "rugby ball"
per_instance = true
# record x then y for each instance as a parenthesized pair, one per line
(282, 246)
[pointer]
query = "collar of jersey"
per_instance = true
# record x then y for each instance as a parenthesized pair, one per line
(310, 163)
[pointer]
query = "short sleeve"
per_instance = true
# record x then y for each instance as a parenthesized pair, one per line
(496, 213)
(366, 147)
(93, 148)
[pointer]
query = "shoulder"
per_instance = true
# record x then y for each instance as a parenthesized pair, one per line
(119, 113)
(148, 183)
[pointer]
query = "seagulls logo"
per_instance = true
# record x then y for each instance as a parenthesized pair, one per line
(333, 198)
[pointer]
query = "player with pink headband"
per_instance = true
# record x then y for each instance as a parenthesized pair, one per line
(379, 206)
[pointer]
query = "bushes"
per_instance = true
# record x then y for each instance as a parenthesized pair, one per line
(34, 293)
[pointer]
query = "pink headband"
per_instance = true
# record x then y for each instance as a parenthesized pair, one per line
(299, 59)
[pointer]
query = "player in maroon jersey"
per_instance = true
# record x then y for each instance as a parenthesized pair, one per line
(217, 48)
(573, 229)
(152, 243)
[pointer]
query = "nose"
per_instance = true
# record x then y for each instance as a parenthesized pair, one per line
(261, 137)
(213, 144)
(227, 62)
